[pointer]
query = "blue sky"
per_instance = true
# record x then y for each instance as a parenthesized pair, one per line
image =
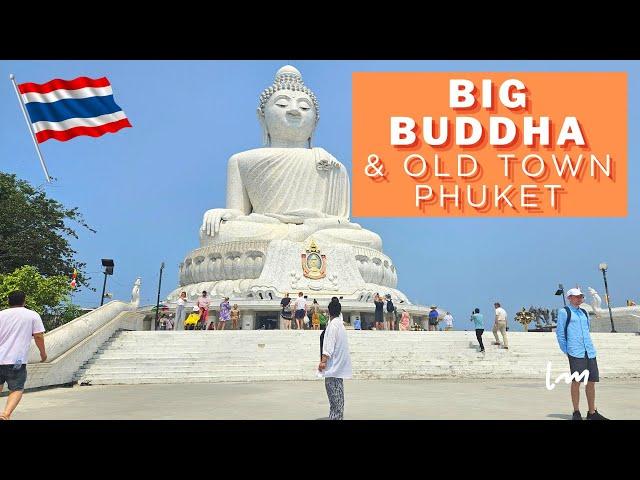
(145, 189)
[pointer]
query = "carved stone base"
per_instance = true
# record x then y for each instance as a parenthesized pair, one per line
(267, 270)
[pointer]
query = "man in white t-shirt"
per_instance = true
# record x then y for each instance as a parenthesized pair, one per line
(448, 322)
(500, 325)
(300, 309)
(17, 325)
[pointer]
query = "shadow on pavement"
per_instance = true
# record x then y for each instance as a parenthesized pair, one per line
(561, 416)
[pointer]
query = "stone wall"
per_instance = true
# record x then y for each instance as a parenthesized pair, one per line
(61, 365)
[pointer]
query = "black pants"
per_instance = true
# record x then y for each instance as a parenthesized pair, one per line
(479, 332)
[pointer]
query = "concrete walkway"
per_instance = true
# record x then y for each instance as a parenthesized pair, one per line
(306, 400)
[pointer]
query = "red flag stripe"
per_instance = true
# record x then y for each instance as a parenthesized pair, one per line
(80, 82)
(65, 135)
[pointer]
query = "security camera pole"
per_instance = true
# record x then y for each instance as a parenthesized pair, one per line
(158, 301)
(603, 267)
(560, 292)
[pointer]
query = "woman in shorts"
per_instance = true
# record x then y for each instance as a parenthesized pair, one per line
(286, 312)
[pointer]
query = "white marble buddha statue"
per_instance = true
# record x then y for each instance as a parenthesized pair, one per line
(287, 190)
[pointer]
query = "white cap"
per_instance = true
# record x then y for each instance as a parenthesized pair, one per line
(574, 291)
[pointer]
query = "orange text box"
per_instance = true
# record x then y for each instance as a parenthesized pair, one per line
(579, 171)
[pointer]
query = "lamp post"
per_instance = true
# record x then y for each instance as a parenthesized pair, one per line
(108, 265)
(158, 301)
(560, 291)
(603, 267)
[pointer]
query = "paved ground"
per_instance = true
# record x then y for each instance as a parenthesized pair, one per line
(372, 399)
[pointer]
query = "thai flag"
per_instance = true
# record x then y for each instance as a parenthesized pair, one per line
(64, 109)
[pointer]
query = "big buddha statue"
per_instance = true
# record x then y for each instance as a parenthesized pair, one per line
(287, 203)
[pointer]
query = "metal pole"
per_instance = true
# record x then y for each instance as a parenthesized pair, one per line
(30, 125)
(564, 300)
(159, 286)
(104, 286)
(606, 289)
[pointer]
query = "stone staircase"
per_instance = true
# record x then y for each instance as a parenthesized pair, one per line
(134, 357)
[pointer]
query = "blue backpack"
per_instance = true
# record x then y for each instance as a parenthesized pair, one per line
(566, 325)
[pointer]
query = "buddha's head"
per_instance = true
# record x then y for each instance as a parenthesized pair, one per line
(288, 111)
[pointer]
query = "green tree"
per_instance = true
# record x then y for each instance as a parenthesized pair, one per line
(63, 313)
(35, 230)
(43, 293)
(49, 296)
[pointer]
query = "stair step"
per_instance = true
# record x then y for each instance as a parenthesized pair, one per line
(247, 356)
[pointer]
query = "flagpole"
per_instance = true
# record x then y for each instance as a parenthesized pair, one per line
(28, 120)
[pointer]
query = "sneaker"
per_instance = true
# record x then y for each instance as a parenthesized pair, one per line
(595, 416)
(506, 348)
(496, 343)
(576, 415)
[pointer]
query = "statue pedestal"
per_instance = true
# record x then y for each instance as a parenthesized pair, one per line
(267, 270)
(248, 321)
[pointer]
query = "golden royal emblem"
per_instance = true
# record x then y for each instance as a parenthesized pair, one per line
(314, 264)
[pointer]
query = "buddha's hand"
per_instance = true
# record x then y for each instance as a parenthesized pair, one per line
(212, 219)
(326, 161)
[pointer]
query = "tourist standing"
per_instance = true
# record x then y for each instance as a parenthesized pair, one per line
(17, 325)
(235, 316)
(404, 321)
(307, 317)
(478, 321)
(301, 310)
(224, 314)
(433, 318)
(324, 317)
(500, 325)
(379, 303)
(315, 315)
(335, 361)
(286, 312)
(203, 307)
(448, 322)
(391, 314)
(323, 323)
(180, 311)
(575, 341)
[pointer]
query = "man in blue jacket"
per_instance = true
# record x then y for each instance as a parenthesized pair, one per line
(575, 341)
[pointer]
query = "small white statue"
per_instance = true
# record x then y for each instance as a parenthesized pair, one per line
(135, 293)
(596, 301)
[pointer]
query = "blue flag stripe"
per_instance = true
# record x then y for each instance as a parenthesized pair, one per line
(72, 108)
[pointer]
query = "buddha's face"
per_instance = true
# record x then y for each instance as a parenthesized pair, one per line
(289, 117)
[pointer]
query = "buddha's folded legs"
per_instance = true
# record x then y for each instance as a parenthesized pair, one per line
(256, 227)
